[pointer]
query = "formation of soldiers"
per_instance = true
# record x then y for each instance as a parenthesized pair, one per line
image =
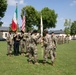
(26, 44)
(62, 39)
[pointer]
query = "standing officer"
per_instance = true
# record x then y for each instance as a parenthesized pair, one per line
(22, 42)
(47, 47)
(9, 43)
(16, 39)
(67, 38)
(33, 47)
(27, 42)
(54, 42)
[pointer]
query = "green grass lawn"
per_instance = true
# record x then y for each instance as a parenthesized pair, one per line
(65, 63)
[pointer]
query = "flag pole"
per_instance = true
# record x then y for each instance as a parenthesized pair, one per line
(14, 25)
(17, 14)
(41, 25)
(23, 22)
(25, 19)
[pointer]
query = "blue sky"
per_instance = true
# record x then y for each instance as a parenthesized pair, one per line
(66, 9)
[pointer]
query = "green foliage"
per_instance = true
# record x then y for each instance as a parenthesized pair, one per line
(49, 18)
(1, 23)
(73, 28)
(30, 17)
(33, 17)
(66, 22)
(3, 7)
(67, 31)
(67, 25)
(65, 63)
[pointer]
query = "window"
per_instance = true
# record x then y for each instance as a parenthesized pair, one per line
(5, 34)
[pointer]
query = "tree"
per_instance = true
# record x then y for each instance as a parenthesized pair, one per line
(30, 17)
(73, 28)
(67, 31)
(3, 7)
(49, 18)
(33, 17)
(67, 25)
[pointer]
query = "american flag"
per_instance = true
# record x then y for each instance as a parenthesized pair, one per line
(23, 22)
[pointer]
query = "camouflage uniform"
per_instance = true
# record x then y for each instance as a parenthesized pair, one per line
(62, 39)
(67, 39)
(33, 48)
(27, 42)
(22, 43)
(30, 48)
(54, 43)
(47, 47)
(9, 44)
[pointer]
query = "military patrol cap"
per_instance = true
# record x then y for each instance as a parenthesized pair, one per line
(35, 31)
(45, 30)
(52, 32)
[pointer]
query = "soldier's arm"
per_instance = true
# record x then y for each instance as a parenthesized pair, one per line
(14, 35)
(7, 39)
(37, 38)
(45, 41)
(55, 41)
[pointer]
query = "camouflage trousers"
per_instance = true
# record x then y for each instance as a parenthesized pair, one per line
(33, 54)
(54, 52)
(50, 53)
(9, 49)
(22, 46)
(27, 49)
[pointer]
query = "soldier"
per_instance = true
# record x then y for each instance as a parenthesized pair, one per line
(54, 42)
(16, 39)
(33, 47)
(47, 47)
(27, 42)
(62, 39)
(67, 38)
(22, 42)
(9, 44)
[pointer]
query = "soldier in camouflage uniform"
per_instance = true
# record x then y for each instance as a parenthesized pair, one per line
(33, 47)
(9, 43)
(47, 47)
(62, 39)
(67, 39)
(54, 43)
(27, 42)
(29, 47)
(22, 42)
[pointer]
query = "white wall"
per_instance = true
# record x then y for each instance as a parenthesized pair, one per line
(4, 33)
